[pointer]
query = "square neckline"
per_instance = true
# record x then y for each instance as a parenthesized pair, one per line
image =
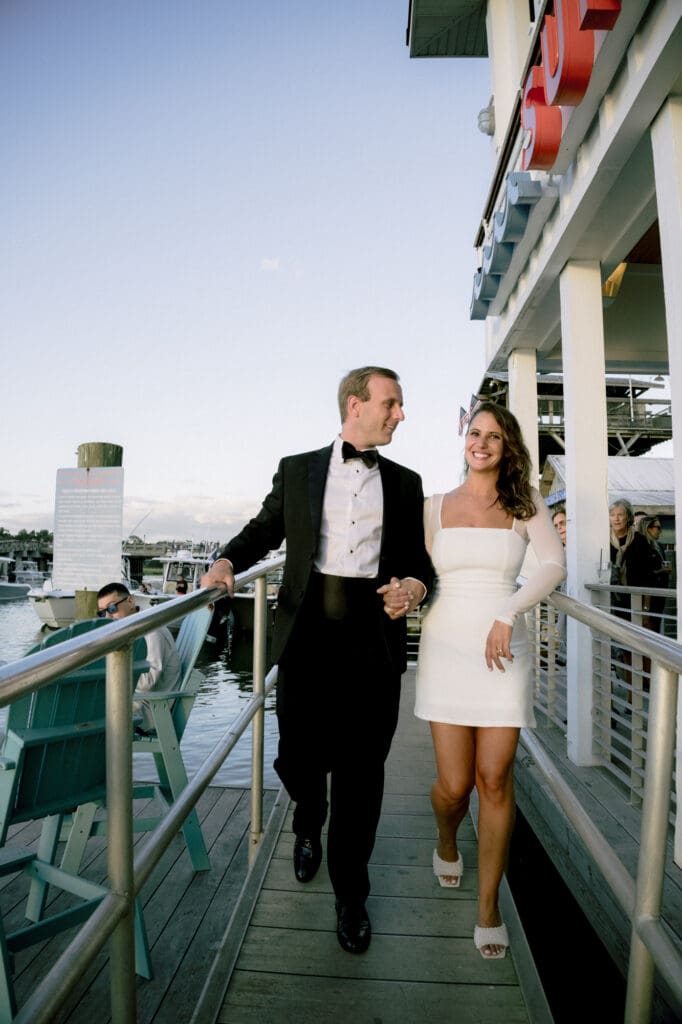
(501, 529)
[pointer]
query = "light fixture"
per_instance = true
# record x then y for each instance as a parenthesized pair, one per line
(486, 118)
(612, 284)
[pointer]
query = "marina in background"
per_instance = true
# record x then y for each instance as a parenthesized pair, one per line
(226, 685)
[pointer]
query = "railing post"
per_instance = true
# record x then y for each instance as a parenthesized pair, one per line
(602, 695)
(260, 636)
(120, 829)
(653, 836)
(637, 742)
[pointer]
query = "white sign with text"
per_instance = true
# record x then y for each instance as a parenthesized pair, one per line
(88, 528)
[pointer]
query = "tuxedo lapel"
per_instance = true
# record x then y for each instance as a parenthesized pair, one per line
(317, 480)
(388, 485)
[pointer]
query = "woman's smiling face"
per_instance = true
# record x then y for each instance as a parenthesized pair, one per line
(484, 449)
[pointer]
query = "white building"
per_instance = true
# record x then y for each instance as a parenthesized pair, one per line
(578, 262)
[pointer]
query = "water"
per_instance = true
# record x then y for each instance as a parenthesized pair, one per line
(223, 694)
(578, 975)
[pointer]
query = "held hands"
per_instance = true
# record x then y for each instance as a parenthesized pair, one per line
(497, 645)
(401, 596)
(220, 574)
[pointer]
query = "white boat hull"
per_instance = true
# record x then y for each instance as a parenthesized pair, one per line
(54, 608)
(145, 601)
(57, 608)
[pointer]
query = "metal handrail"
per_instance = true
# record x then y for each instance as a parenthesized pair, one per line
(666, 652)
(113, 918)
(640, 898)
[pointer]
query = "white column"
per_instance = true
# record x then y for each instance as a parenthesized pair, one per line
(587, 512)
(666, 140)
(508, 31)
(523, 401)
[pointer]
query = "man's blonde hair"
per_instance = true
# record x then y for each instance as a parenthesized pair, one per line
(356, 383)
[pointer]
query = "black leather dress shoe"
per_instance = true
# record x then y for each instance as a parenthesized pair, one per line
(307, 858)
(353, 928)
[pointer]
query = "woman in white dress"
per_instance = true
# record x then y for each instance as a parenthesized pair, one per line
(473, 675)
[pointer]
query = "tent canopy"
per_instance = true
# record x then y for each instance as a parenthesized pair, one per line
(646, 483)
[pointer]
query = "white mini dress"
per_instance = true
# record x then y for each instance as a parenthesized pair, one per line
(477, 570)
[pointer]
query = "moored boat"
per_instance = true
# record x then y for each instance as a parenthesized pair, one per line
(182, 572)
(56, 607)
(10, 587)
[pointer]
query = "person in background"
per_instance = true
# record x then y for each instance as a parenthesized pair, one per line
(181, 585)
(114, 601)
(353, 525)
(658, 571)
(474, 666)
(559, 520)
(637, 518)
(629, 554)
(629, 560)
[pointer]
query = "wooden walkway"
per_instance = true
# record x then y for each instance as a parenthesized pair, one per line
(281, 939)
(422, 963)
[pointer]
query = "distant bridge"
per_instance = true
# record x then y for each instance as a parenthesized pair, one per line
(138, 553)
(144, 550)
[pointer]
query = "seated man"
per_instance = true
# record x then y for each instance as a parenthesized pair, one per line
(116, 602)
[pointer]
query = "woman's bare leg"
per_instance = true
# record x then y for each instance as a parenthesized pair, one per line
(495, 750)
(454, 749)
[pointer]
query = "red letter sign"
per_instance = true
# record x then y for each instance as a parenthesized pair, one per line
(567, 40)
(543, 123)
(567, 54)
(599, 14)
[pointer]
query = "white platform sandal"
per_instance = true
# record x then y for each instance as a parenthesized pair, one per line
(498, 936)
(449, 874)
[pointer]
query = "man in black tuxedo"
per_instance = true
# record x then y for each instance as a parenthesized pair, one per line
(355, 566)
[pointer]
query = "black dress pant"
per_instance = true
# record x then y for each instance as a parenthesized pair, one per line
(337, 708)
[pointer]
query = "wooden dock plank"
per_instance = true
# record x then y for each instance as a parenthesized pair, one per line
(173, 898)
(206, 922)
(257, 997)
(170, 890)
(422, 963)
(417, 958)
(389, 916)
(186, 913)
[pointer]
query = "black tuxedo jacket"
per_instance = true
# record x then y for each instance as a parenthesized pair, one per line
(292, 511)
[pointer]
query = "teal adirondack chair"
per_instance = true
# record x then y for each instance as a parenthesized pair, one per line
(53, 758)
(170, 710)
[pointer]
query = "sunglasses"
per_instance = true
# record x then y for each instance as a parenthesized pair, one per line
(111, 609)
(654, 526)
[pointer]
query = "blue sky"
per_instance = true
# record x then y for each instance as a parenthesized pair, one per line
(211, 211)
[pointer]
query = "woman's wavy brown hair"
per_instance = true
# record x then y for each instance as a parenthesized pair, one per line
(513, 482)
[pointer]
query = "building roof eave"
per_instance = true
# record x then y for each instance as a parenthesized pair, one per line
(447, 28)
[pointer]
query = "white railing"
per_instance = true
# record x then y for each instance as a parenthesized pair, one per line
(621, 680)
(113, 919)
(635, 723)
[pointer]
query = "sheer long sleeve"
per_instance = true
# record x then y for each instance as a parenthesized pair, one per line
(550, 571)
(432, 508)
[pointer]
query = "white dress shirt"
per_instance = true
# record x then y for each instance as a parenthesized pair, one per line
(352, 516)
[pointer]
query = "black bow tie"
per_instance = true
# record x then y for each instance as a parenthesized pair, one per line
(349, 451)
